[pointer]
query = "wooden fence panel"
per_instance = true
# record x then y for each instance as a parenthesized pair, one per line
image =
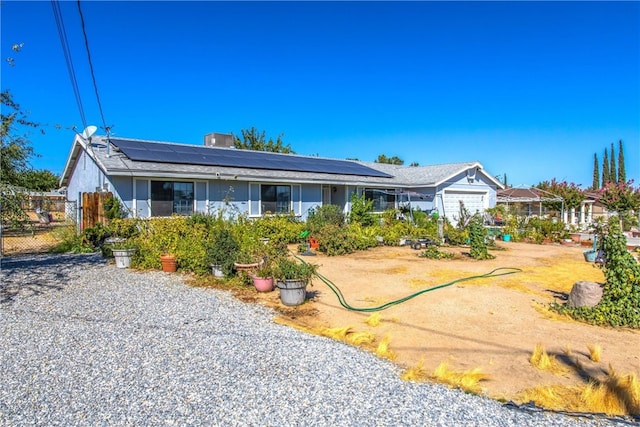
(93, 209)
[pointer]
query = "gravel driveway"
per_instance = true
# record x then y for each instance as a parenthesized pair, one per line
(85, 343)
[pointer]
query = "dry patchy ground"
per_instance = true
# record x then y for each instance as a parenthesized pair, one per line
(492, 324)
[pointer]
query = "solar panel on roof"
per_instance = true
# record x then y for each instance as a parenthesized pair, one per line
(146, 151)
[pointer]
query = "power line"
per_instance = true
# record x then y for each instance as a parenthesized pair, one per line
(93, 77)
(67, 56)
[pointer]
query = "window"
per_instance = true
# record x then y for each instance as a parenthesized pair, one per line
(382, 199)
(275, 199)
(169, 197)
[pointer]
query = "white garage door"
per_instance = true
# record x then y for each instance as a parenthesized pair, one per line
(473, 202)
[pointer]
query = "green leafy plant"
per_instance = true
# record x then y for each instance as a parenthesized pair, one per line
(335, 240)
(289, 269)
(620, 303)
(113, 208)
(361, 210)
(477, 239)
(222, 249)
(432, 252)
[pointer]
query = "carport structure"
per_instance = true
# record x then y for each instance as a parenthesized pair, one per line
(526, 200)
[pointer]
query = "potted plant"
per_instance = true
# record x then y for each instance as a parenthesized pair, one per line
(248, 257)
(222, 250)
(169, 263)
(122, 252)
(292, 278)
(263, 276)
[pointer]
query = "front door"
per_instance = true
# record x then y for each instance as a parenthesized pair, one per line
(326, 195)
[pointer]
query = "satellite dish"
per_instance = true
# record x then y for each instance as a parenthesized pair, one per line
(88, 132)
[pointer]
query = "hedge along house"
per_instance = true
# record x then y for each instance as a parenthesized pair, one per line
(161, 179)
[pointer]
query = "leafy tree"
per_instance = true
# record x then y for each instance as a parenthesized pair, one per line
(605, 168)
(620, 197)
(414, 164)
(596, 173)
(395, 160)
(15, 148)
(252, 139)
(571, 193)
(622, 176)
(613, 175)
(15, 152)
(40, 180)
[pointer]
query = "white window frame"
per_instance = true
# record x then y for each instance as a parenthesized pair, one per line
(258, 198)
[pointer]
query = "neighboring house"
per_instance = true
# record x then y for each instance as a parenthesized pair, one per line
(160, 179)
(534, 201)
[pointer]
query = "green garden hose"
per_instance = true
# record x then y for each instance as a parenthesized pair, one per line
(501, 271)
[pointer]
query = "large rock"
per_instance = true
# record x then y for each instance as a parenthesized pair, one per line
(585, 294)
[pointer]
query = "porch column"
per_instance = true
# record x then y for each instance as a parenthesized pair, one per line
(582, 209)
(572, 214)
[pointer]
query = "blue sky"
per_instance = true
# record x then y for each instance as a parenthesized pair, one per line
(531, 90)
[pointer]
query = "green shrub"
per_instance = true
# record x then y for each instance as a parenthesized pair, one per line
(432, 252)
(477, 236)
(222, 249)
(325, 215)
(177, 235)
(70, 241)
(279, 228)
(95, 236)
(454, 235)
(126, 228)
(361, 210)
(363, 237)
(335, 240)
(113, 208)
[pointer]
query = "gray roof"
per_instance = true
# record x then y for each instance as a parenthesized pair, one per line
(116, 163)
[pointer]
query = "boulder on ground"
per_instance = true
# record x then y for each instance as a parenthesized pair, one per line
(585, 294)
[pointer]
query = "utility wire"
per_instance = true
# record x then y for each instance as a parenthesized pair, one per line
(57, 13)
(93, 76)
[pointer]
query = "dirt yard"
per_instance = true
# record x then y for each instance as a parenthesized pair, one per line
(492, 324)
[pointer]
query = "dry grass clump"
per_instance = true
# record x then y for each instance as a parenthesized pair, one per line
(361, 338)
(348, 335)
(541, 360)
(615, 395)
(383, 349)
(466, 380)
(416, 373)
(373, 320)
(595, 352)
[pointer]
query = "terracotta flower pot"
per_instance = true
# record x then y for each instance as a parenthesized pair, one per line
(263, 284)
(169, 264)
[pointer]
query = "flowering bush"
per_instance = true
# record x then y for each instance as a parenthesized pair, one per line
(620, 197)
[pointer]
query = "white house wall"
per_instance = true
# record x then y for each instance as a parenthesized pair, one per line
(85, 178)
(478, 193)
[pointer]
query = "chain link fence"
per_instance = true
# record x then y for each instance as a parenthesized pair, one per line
(49, 220)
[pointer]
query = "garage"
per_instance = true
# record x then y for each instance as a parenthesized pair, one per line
(473, 201)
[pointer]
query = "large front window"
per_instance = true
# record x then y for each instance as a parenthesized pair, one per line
(382, 199)
(169, 197)
(275, 199)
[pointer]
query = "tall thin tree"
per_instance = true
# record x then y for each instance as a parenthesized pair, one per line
(622, 174)
(613, 175)
(596, 173)
(605, 169)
